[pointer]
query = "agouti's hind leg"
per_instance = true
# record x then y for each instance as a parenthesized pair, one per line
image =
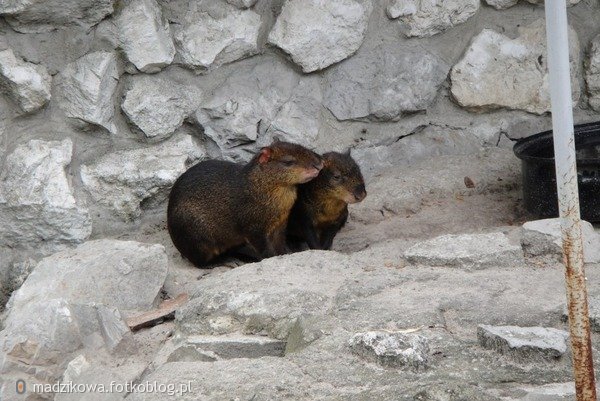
(278, 242)
(267, 247)
(245, 253)
(201, 255)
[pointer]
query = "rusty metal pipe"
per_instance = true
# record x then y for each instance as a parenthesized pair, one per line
(568, 197)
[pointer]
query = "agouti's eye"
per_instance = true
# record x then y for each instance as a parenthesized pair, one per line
(288, 162)
(337, 177)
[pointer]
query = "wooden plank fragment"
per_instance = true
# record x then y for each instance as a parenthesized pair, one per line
(165, 311)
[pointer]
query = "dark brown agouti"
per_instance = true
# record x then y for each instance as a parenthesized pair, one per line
(322, 206)
(216, 206)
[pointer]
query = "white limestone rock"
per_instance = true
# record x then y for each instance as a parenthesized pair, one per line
(256, 306)
(499, 72)
(46, 15)
(593, 312)
(145, 36)
(227, 347)
(205, 42)
(404, 80)
(527, 343)
(238, 113)
(158, 106)
(423, 18)
(27, 84)
(424, 143)
(319, 33)
(233, 379)
(82, 372)
(543, 237)
(298, 119)
(41, 336)
(127, 275)
(37, 203)
(469, 251)
(87, 90)
(501, 4)
(242, 3)
(231, 123)
(592, 74)
(504, 4)
(392, 349)
(123, 180)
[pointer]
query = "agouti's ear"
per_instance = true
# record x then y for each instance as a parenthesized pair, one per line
(265, 155)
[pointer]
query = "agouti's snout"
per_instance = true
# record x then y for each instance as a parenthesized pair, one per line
(360, 193)
(313, 171)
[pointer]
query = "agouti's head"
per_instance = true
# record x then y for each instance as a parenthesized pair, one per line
(341, 178)
(289, 163)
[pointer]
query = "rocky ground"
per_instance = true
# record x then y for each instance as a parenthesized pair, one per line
(444, 295)
(439, 288)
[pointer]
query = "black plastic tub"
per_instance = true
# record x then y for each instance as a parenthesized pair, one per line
(539, 177)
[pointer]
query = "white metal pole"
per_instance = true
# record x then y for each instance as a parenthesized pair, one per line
(568, 197)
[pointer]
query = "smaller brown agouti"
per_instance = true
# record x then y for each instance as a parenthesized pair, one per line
(217, 206)
(321, 209)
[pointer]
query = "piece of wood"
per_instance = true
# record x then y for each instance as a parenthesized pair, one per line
(166, 311)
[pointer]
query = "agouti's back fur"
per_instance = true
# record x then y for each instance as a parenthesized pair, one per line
(321, 209)
(216, 206)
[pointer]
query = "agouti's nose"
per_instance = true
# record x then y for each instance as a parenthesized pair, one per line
(318, 165)
(359, 192)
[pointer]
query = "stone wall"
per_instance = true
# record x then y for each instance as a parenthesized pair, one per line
(104, 103)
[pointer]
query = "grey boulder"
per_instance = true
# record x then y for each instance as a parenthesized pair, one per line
(124, 179)
(593, 312)
(403, 81)
(87, 89)
(504, 4)
(424, 143)
(275, 378)
(524, 342)
(501, 4)
(41, 336)
(27, 84)
(543, 237)
(298, 119)
(430, 17)
(145, 36)
(83, 372)
(126, 275)
(37, 202)
(392, 349)
(205, 42)
(319, 33)
(592, 74)
(227, 347)
(46, 15)
(499, 72)
(157, 106)
(240, 300)
(237, 115)
(242, 3)
(470, 251)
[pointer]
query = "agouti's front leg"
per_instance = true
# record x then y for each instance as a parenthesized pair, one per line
(270, 245)
(311, 235)
(327, 237)
(277, 241)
